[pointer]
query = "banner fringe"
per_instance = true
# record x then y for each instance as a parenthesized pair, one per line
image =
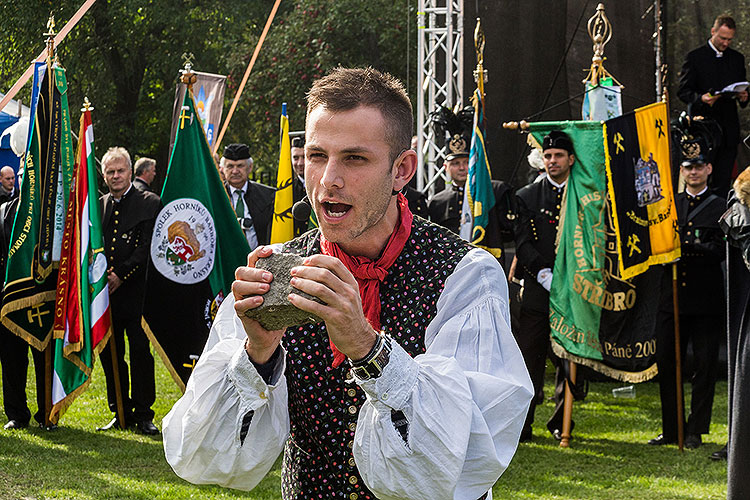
(162, 354)
(600, 367)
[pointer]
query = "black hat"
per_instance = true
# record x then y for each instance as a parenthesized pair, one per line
(298, 142)
(698, 139)
(558, 140)
(458, 125)
(694, 151)
(459, 148)
(236, 152)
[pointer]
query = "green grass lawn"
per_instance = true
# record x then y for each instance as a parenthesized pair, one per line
(608, 459)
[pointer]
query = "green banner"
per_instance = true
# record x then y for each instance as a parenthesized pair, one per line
(31, 274)
(596, 318)
(196, 246)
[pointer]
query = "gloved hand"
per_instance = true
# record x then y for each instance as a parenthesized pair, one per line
(544, 277)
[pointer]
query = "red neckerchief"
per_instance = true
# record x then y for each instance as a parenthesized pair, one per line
(369, 273)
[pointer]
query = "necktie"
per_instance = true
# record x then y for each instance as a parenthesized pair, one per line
(239, 208)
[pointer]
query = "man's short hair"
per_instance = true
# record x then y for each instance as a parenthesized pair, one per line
(116, 153)
(142, 165)
(344, 89)
(725, 20)
(298, 142)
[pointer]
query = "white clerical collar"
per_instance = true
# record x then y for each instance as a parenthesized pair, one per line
(558, 186)
(123, 194)
(718, 52)
(705, 188)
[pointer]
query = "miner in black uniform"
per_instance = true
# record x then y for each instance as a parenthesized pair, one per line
(298, 180)
(706, 71)
(252, 201)
(128, 216)
(701, 300)
(445, 207)
(536, 229)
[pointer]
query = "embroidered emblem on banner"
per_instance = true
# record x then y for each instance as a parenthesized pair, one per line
(184, 241)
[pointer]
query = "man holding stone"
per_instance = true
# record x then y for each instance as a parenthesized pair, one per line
(411, 386)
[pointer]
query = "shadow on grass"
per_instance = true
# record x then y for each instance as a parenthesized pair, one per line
(609, 456)
(96, 465)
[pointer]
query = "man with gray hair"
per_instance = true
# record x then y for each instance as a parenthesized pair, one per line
(252, 201)
(145, 173)
(128, 216)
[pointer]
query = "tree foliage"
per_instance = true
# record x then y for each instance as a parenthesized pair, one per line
(312, 38)
(125, 56)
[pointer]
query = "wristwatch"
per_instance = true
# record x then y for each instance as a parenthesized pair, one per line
(372, 365)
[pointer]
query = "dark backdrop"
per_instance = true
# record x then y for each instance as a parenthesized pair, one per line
(526, 42)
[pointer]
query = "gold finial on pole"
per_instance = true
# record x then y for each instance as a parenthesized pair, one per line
(86, 105)
(523, 125)
(188, 77)
(600, 31)
(50, 34)
(480, 74)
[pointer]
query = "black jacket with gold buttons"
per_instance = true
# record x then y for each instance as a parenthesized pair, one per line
(535, 232)
(445, 210)
(127, 226)
(700, 279)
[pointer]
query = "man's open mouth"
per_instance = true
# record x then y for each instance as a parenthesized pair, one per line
(335, 210)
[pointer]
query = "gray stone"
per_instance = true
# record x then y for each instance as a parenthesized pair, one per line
(277, 312)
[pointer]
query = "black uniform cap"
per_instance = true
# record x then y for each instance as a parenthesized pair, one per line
(236, 152)
(558, 140)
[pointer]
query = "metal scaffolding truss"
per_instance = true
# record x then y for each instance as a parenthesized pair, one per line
(440, 63)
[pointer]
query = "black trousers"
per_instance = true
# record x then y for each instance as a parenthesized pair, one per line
(14, 356)
(532, 338)
(138, 396)
(705, 332)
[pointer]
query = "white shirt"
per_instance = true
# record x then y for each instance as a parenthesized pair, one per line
(465, 398)
(717, 51)
(250, 234)
(705, 188)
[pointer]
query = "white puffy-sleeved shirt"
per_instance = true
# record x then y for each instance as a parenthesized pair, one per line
(441, 422)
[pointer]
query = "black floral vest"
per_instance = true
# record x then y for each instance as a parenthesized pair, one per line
(323, 407)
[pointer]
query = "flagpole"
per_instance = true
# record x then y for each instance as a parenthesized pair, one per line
(118, 388)
(48, 385)
(50, 53)
(244, 78)
(57, 40)
(676, 313)
(678, 360)
(568, 406)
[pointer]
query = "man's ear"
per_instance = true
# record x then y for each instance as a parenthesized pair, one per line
(405, 167)
(710, 168)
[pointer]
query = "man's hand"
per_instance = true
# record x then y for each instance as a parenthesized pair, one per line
(742, 96)
(710, 99)
(329, 280)
(113, 282)
(249, 286)
(544, 277)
